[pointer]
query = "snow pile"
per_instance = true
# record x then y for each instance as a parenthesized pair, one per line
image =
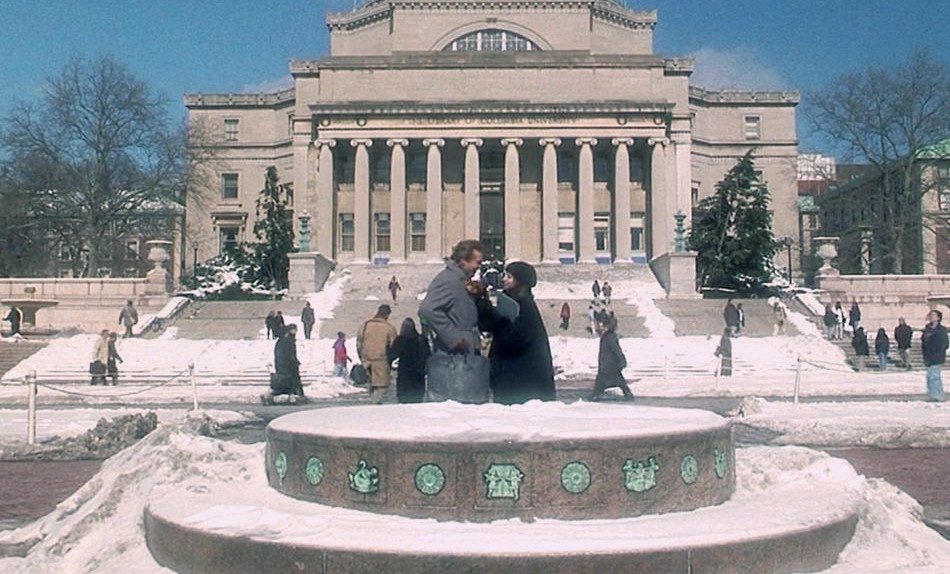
(876, 424)
(99, 528)
(325, 302)
(890, 536)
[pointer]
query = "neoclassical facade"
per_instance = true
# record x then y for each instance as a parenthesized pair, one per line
(548, 129)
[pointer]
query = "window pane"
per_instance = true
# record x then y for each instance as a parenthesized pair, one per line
(229, 186)
(417, 231)
(383, 232)
(231, 130)
(753, 127)
(492, 41)
(347, 232)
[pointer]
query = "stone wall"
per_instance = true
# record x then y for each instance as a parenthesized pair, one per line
(885, 298)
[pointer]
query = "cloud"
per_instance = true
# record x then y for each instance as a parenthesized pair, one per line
(272, 85)
(734, 68)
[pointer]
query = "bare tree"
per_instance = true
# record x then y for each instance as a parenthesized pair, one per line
(889, 117)
(100, 154)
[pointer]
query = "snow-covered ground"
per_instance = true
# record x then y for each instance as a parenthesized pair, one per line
(840, 424)
(99, 528)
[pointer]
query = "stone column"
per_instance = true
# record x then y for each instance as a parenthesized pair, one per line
(512, 198)
(472, 187)
(661, 218)
(549, 222)
(325, 196)
(397, 199)
(621, 206)
(585, 199)
(684, 177)
(361, 208)
(434, 199)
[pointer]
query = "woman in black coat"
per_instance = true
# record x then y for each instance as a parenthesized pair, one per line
(412, 350)
(521, 366)
(860, 343)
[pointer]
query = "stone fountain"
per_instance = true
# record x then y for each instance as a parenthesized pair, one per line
(445, 487)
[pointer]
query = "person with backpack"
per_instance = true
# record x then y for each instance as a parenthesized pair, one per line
(340, 356)
(412, 351)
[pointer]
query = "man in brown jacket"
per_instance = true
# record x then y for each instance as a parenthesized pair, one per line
(373, 343)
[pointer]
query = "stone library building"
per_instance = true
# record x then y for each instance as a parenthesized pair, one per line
(548, 129)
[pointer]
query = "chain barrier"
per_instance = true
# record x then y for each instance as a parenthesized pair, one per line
(832, 367)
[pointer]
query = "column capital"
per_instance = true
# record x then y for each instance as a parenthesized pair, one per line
(549, 141)
(397, 141)
(361, 142)
(512, 141)
(621, 141)
(658, 141)
(585, 141)
(477, 142)
(327, 143)
(428, 142)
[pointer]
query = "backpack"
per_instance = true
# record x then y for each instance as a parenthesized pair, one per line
(358, 375)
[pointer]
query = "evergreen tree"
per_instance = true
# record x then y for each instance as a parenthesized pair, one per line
(274, 231)
(732, 232)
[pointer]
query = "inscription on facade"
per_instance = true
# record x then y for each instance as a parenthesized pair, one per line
(483, 121)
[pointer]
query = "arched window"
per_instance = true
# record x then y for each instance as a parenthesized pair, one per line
(491, 41)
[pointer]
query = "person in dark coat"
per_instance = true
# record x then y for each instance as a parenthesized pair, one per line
(741, 324)
(128, 317)
(15, 316)
(610, 363)
(269, 324)
(394, 287)
(854, 316)
(860, 344)
(565, 316)
(933, 346)
(607, 292)
(595, 290)
(882, 345)
(412, 350)
(112, 369)
(521, 365)
(307, 319)
(730, 314)
(279, 325)
(831, 321)
(286, 365)
(903, 334)
(724, 351)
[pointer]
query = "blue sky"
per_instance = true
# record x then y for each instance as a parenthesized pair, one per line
(233, 45)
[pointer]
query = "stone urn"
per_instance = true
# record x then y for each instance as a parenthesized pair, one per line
(827, 249)
(157, 278)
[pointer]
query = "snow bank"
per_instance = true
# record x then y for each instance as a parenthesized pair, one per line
(879, 424)
(99, 528)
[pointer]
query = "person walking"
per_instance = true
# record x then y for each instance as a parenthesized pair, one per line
(128, 317)
(903, 334)
(592, 319)
(456, 369)
(279, 325)
(859, 342)
(854, 315)
(778, 318)
(724, 352)
(269, 325)
(831, 321)
(112, 369)
(286, 379)
(882, 346)
(730, 315)
(565, 316)
(307, 319)
(100, 358)
(15, 317)
(374, 343)
(741, 324)
(840, 319)
(595, 289)
(933, 347)
(521, 364)
(340, 356)
(610, 364)
(606, 290)
(394, 287)
(412, 351)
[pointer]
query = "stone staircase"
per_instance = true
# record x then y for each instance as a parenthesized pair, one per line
(230, 319)
(12, 353)
(704, 316)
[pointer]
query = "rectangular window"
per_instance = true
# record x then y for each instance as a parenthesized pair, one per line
(229, 186)
(347, 232)
(944, 199)
(566, 163)
(383, 232)
(231, 129)
(289, 189)
(753, 127)
(417, 231)
(290, 123)
(694, 194)
(132, 250)
(227, 239)
(565, 232)
(636, 232)
(602, 232)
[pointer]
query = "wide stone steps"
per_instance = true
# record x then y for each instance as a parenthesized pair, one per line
(704, 316)
(12, 353)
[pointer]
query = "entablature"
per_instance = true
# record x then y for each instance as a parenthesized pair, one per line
(747, 97)
(455, 60)
(239, 100)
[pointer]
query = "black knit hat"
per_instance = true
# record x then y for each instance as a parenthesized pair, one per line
(523, 273)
